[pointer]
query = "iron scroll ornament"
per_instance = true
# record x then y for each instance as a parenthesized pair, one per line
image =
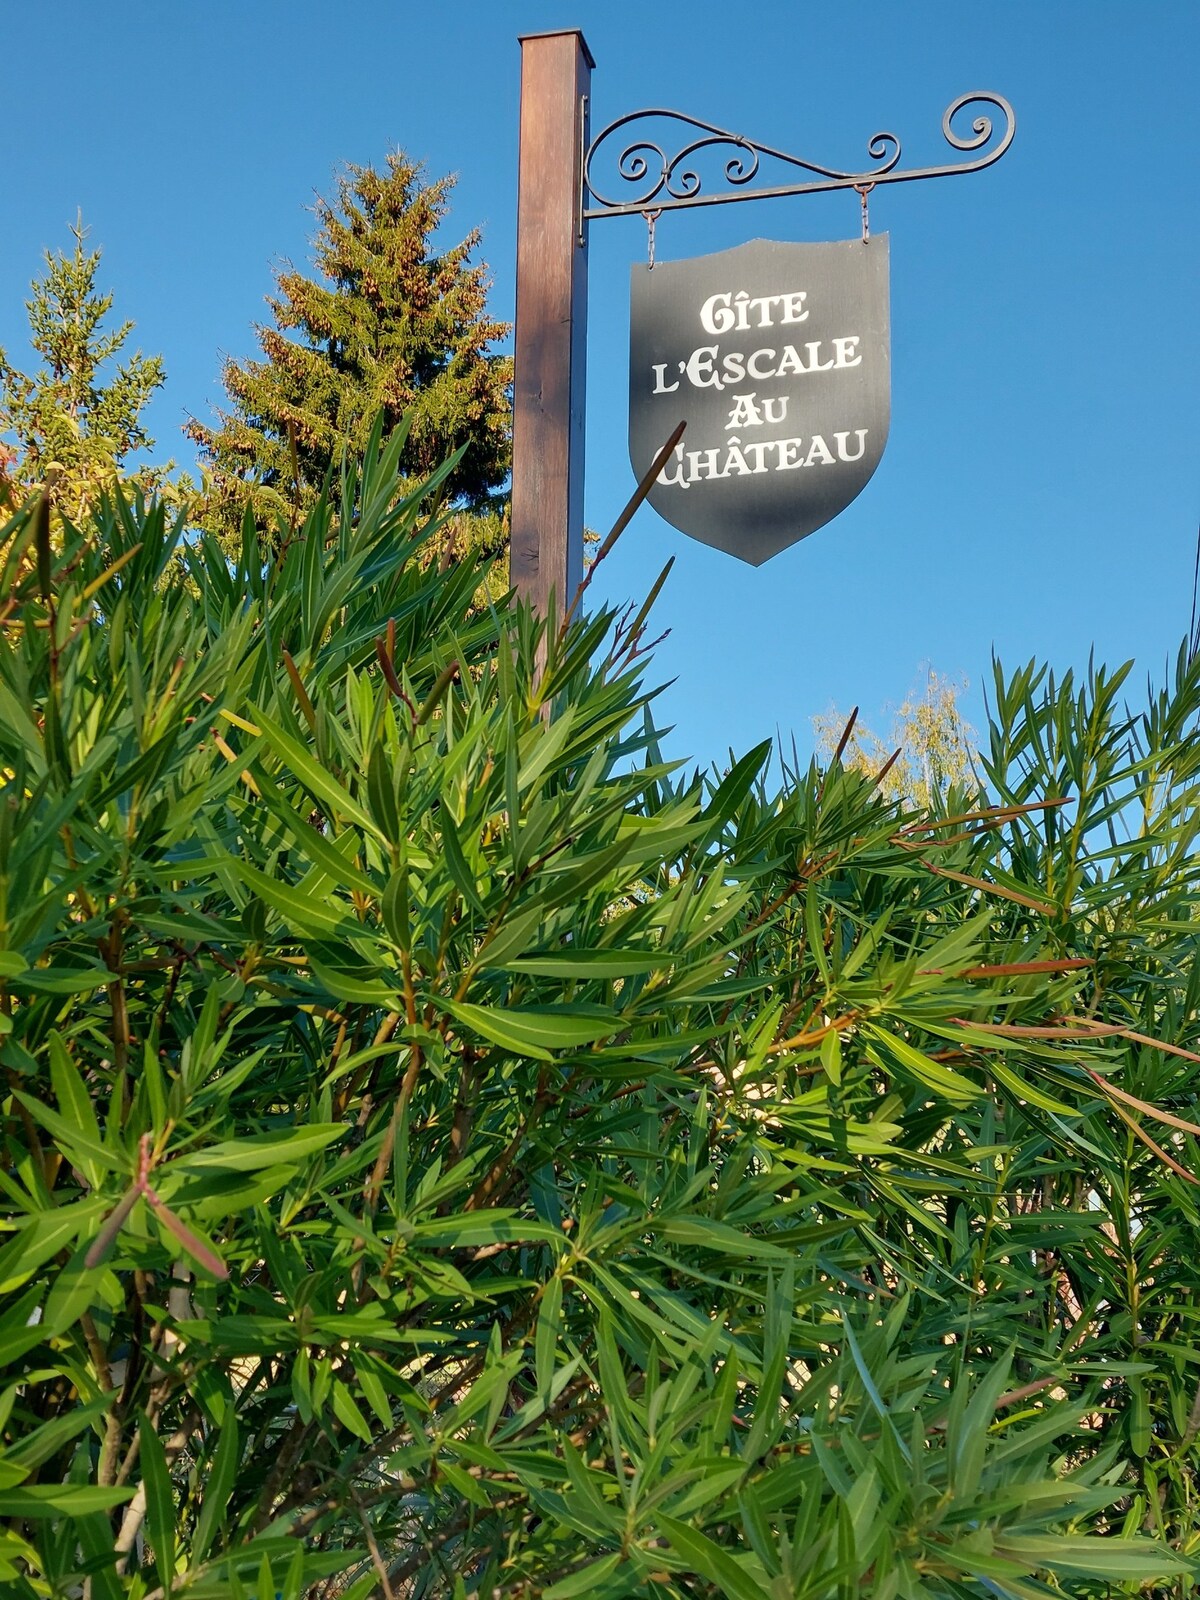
(669, 183)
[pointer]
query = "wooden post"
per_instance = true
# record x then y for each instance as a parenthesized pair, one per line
(546, 553)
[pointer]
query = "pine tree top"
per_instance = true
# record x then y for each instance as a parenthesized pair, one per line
(389, 323)
(78, 417)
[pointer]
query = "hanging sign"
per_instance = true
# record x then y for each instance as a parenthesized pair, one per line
(776, 356)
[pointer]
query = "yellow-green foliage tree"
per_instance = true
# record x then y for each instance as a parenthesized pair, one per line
(928, 751)
(76, 420)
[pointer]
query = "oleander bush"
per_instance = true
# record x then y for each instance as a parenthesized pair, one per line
(449, 1150)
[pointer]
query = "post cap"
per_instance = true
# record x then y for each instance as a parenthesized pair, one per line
(561, 33)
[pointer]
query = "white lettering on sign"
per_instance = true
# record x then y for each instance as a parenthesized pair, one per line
(701, 370)
(744, 451)
(746, 414)
(723, 312)
(768, 455)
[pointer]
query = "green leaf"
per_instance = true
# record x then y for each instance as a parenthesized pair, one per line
(301, 910)
(93, 1530)
(348, 1413)
(587, 1580)
(586, 1484)
(950, 1085)
(719, 1236)
(75, 1104)
(353, 986)
(708, 1560)
(320, 784)
(335, 856)
(62, 978)
(262, 1150)
(218, 1485)
(1115, 1560)
(534, 1031)
(43, 1236)
(572, 963)
(47, 1440)
(472, 1228)
(80, 1145)
(968, 1440)
(69, 1499)
(546, 1336)
(160, 1502)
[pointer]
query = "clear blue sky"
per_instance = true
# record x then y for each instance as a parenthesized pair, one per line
(1040, 491)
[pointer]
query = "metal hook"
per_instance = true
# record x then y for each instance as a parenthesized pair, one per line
(863, 190)
(651, 218)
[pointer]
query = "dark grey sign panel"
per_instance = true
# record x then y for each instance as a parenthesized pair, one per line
(777, 357)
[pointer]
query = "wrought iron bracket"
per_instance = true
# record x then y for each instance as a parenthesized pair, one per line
(672, 182)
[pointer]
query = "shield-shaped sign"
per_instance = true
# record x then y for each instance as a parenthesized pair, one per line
(776, 356)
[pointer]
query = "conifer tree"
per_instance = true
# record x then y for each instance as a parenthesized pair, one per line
(74, 422)
(392, 324)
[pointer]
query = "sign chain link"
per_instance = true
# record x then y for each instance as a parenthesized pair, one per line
(651, 218)
(863, 190)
